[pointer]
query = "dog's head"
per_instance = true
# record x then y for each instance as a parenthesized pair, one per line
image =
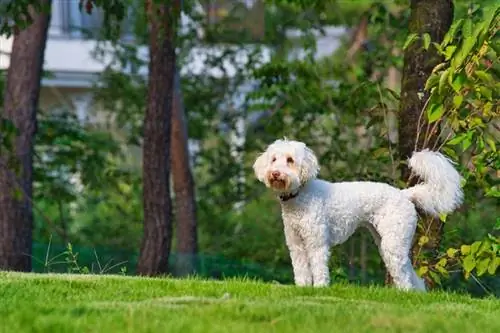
(286, 165)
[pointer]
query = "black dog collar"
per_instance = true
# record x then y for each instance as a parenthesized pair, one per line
(287, 196)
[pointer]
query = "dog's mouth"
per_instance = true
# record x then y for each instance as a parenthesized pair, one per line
(278, 184)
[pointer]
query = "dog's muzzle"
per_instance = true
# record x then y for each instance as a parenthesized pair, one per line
(278, 180)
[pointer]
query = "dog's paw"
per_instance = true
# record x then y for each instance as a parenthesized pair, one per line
(321, 284)
(303, 281)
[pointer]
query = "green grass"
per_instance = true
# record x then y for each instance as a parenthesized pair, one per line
(88, 303)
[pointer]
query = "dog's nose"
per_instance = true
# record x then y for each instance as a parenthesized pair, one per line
(275, 174)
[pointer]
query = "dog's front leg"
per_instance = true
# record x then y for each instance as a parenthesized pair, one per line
(318, 254)
(298, 255)
(318, 260)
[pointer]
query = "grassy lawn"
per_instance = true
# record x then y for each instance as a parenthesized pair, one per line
(88, 303)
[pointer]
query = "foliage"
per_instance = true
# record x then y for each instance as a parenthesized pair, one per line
(344, 107)
(463, 107)
(481, 256)
(73, 159)
(16, 15)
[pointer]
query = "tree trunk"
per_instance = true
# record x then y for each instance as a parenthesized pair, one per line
(363, 258)
(155, 248)
(185, 203)
(20, 105)
(359, 37)
(433, 17)
(352, 256)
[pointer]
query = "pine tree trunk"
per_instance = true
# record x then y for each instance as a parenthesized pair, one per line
(433, 17)
(155, 249)
(20, 105)
(184, 192)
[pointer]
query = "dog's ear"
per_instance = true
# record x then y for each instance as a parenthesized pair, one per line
(260, 165)
(309, 167)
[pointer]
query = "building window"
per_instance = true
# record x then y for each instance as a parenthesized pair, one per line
(68, 21)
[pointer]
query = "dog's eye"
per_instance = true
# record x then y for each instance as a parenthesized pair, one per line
(289, 160)
(273, 160)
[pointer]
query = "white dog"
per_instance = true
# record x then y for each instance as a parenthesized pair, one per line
(318, 214)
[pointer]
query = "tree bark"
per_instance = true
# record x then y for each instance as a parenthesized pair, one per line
(184, 192)
(433, 17)
(352, 256)
(363, 258)
(155, 248)
(359, 37)
(20, 105)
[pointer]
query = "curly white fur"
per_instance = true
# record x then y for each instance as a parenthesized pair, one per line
(318, 214)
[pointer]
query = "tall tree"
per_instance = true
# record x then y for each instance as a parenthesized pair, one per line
(154, 254)
(184, 193)
(20, 105)
(428, 18)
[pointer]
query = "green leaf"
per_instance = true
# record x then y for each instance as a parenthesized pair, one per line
(485, 77)
(442, 262)
(492, 193)
(449, 52)
(486, 92)
(435, 112)
(457, 139)
(466, 47)
(442, 217)
(450, 35)
(423, 240)
(435, 277)
(438, 47)
(426, 40)
(432, 81)
(467, 29)
(422, 270)
(474, 248)
(485, 247)
(439, 67)
(458, 82)
(487, 109)
(442, 81)
(451, 252)
(382, 151)
(409, 40)
(442, 270)
(465, 249)
(467, 142)
(492, 144)
(482, 266)
(487, 22)
(469, 264)
(492, 268)
(463, 53)
(457, 101)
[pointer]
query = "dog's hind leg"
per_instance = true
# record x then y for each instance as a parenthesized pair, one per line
(396, 226)
(400, 268)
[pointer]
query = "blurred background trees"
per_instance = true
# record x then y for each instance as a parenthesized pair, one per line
(325, 72)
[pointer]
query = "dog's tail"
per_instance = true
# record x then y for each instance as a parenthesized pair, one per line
(440, 191)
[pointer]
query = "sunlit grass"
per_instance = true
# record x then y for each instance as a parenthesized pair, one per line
(88, 303)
